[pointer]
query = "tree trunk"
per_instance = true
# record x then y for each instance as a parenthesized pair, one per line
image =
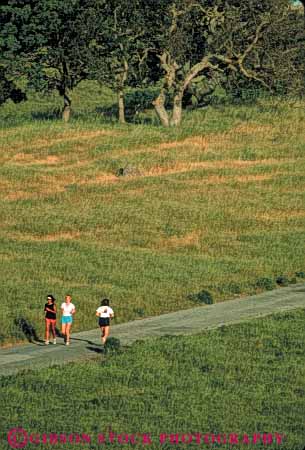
(122, 78)
(177, 110)
(303, 3)
(67, 108)
(121, 105)
(160, 109)
(170, 78)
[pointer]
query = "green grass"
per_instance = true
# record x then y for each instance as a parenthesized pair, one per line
(244, 379)
(217, 205)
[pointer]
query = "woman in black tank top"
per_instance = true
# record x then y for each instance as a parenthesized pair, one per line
(50, 319)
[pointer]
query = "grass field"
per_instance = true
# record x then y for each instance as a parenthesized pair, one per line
(215, 205)
(244, 379)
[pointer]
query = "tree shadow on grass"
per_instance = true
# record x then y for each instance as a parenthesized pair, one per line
(110, 114)
(54, 114)
(138, 107)
(104, 114)
(27, 329)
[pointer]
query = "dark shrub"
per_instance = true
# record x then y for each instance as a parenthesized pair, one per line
(113, 345)
(234, 288)
(139, 100)
(300, 274)
(201, 297)
(140, 312)
(265, 283)
(282, 280)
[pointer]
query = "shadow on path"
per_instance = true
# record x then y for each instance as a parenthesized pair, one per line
(96, 349)
(82, 340)
(27, 329)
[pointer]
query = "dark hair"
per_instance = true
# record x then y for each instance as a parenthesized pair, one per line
(105, 302)
(50, 296)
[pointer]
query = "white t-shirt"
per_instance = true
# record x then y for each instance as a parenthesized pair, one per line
(67, 309)
(105, 311)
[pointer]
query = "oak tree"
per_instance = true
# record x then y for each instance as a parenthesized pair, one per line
(202, 38)
(50, 39)
(118, 50)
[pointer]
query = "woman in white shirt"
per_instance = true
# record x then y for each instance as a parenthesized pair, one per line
(67, 309)
(105, 314)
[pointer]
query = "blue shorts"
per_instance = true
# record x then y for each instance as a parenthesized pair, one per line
(66, 319)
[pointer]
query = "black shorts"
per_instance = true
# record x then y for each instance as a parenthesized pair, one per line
(104, 321)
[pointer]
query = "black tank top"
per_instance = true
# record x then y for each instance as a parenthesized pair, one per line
(50, 315)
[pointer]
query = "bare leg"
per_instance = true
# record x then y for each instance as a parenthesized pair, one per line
(53, 329)
(47, 331)
(105, 335)
(68, 328)
(102, 333)
(63, 331)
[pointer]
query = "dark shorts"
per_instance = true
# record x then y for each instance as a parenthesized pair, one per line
(104, 321)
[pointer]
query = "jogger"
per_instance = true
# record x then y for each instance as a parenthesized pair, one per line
(68, 309)
(50, 319)
(105, 314)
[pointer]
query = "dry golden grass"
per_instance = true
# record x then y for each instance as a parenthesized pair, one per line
(135, 192)
(213, 141)
(191, 239)
(5, 133)
(254, 178)
(253, 128)
(63, 236)
(73, 157)
(43, 186)
(6, 184)
(46, 185)
(78, 157)
(195, 144)
(226, 179)
(279, 216)
(18, 195)
(27, 158)
(100, 178)
(77, 147)
(227, 164)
